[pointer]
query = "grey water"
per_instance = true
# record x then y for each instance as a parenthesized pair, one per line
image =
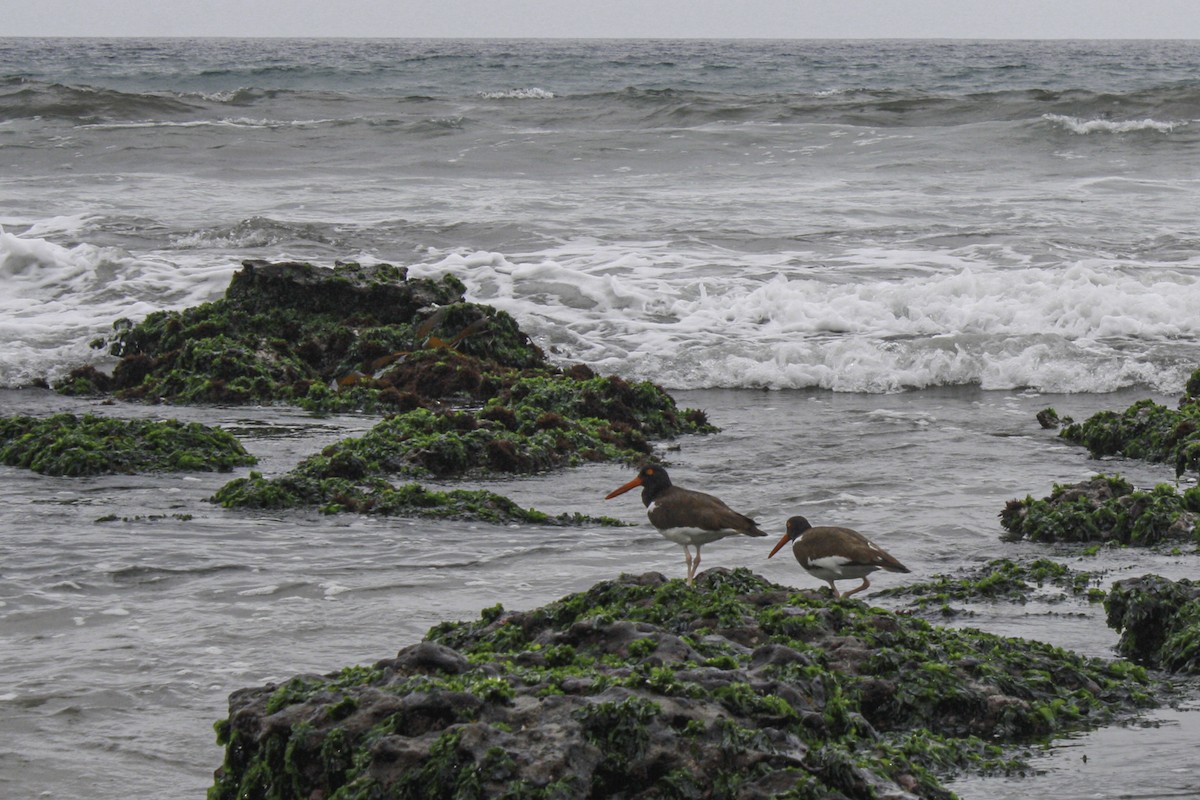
(870, 262)
(131, 606)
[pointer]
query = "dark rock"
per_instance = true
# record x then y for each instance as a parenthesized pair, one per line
(1106, 508)
(628, 690)
(1159, 622)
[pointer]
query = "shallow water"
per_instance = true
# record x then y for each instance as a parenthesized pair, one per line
(123, 639)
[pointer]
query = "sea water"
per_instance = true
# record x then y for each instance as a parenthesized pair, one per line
(871, 262)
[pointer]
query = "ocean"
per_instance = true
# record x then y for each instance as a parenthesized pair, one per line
(870, 262)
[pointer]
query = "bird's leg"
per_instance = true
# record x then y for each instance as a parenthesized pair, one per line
(833, 588)
(696, 562)
(864, 585)
(687, 554)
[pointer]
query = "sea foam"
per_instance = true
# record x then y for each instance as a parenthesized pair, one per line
(1086, 126)
(1090, 326)
(58, 299)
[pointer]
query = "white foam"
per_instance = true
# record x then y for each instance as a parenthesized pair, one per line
(57, 299)
(867, 321)
(1086, 126)
(1087, 326)
(531, 93)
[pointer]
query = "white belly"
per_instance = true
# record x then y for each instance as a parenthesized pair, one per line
(832, 568)
(697, 536)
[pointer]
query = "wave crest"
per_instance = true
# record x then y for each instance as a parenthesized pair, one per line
(1104, 125)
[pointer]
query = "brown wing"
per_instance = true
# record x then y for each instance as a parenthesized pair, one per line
(828, 541)
(684, 508)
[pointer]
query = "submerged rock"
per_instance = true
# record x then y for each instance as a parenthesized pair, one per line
(646, 687)
(1002, 580)
(1159, 622)
(1106, 508)
(65, 444)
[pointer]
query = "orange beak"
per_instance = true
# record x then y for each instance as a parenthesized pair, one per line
(780, 544)
(633, 484)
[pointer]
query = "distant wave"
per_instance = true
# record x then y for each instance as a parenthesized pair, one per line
(1162, 110)
(1086, 126)
(257, 232)
(23, 99)
(532, 93)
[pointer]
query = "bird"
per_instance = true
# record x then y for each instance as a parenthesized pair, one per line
(832, 553)
(686, 517)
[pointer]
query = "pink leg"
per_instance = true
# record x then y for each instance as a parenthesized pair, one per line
(865, 584)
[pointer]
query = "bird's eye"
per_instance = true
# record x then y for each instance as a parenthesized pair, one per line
(649, 470)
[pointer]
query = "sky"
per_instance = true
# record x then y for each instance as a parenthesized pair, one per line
(774, 19)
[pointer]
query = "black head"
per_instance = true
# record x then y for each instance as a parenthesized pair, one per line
(796, 526)
(653, 479)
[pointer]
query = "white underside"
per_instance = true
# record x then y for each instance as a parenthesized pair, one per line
(833, 568)
(697, 536)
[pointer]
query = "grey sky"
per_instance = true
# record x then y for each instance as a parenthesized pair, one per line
(1004, 19)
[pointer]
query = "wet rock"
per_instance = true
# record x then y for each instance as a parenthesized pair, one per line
(642, 687)
(1106, 508)
(65, 444)
(467, 391)
(1146, 430)
(1159, 622)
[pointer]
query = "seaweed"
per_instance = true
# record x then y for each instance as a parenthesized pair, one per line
(1106, 509)
(733, 687)
(1146, 430)
(67, 445)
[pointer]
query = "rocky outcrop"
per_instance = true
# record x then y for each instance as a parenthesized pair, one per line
(1159, 621)
(65, 444)
(296, 333)
(1106, 508)
(1145, 430)
(646, 687)
(464, 390)
(1000, 580)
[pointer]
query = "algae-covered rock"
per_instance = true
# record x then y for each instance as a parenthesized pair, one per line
(467, 390)
(334, 494)
(1159, 622)
(1106, 508)
(283, 328)
(1146, 430)
(533, 425)
(1002, 580)
(65, 444)
(646, 687)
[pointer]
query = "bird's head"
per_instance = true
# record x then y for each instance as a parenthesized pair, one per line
(796, 526)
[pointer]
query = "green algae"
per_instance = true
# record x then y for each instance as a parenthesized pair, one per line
(514, 432)
(734, 686)
(1004, 580)
(282, 328)
(467, 392)
(1146, 430)
(1106, 509)
(333, 495)
(1159, 622)
(65, 444)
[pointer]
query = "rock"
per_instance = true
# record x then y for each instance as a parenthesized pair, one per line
(1106, 508)
(466, 390)
(644, 687)
(1159, 622)
(1145, 430)
(65, 444)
